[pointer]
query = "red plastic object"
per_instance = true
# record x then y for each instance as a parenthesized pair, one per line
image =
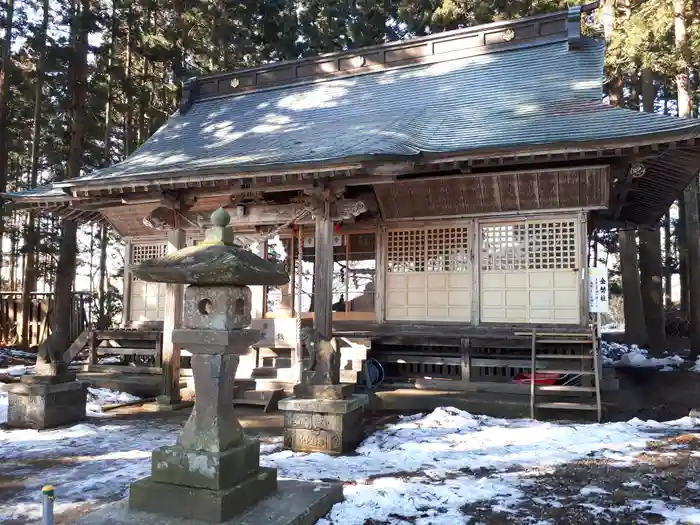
(541, 378)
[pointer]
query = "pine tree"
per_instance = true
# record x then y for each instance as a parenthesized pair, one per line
(81, 19)
(5, 92)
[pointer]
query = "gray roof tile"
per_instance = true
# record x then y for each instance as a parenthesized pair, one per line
(530, 96)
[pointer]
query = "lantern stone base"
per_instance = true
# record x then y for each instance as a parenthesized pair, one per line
(40, 402)
(207, 470)
(210, 506)
(293, 503)
(332, 426)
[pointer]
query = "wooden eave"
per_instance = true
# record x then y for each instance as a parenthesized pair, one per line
(425, 163)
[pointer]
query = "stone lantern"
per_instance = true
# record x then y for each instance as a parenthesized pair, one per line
(212, 474)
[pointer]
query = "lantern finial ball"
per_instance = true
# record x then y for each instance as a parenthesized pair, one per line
(220, 218)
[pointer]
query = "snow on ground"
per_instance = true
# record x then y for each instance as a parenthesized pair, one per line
(19, 354)
(612, 328)
(426, 469)
(618, 354)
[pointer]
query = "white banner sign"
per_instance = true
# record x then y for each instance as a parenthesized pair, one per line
(598, 288)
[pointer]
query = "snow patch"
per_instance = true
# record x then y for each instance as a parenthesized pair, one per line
(422, 470)
(19, 354)
(433, 462)
(590, 490)
(3, 403)
(673, 513)
(97, 398)
(618, 354)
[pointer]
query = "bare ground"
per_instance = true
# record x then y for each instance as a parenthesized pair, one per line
(598, 492)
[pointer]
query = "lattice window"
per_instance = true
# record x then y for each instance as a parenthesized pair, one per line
(146, 252)
(503, 247)
(447, 249)
(551, 245)
(406, 251)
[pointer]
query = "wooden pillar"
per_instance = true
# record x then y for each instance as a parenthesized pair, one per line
(258, 292)
(323, 272)
(126, 303)
(174, 296)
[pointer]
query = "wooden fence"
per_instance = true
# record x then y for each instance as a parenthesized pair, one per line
(39, 317)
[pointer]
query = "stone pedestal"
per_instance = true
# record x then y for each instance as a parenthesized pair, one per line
(41, 402)
(329, 422)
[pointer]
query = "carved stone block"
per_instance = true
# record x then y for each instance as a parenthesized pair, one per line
(40, 405)
(331, 429)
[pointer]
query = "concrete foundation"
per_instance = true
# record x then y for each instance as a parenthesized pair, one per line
(293, 503)
(332, 426)
(41, 402)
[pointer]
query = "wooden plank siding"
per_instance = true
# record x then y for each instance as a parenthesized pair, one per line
(472, 195)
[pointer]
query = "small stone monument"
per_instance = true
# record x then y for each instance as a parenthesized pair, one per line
(50, 398)
(212, 474)
(323, 415)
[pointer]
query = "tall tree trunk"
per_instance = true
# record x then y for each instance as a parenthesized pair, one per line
(102, 321)
(5, 72)
(650, 263)
(13, 253)
(635, 330)
(690, 194)
(128, 85)
(651, 271)
(63, 303)
(31, 241)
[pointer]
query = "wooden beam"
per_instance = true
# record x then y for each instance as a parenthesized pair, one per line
(323, 272)
(174, 296)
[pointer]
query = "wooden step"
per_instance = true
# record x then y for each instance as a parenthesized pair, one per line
(554, 334)
(119, 350)
(560, 405)
(131, 335)
(568, 372)
(545, 357)
(124, 369)
(564, 341)
(564, 388)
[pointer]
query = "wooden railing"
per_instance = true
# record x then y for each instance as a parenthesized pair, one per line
(40, 310)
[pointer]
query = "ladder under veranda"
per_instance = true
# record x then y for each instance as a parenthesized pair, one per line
(576, 358)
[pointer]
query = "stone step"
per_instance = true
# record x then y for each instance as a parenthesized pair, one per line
(265, 372)
(275, 362)
(265, 398)
(273, 384)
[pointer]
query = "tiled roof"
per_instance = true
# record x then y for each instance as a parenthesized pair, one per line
(536, 95)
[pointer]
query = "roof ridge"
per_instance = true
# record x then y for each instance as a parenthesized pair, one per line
(485, 38)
